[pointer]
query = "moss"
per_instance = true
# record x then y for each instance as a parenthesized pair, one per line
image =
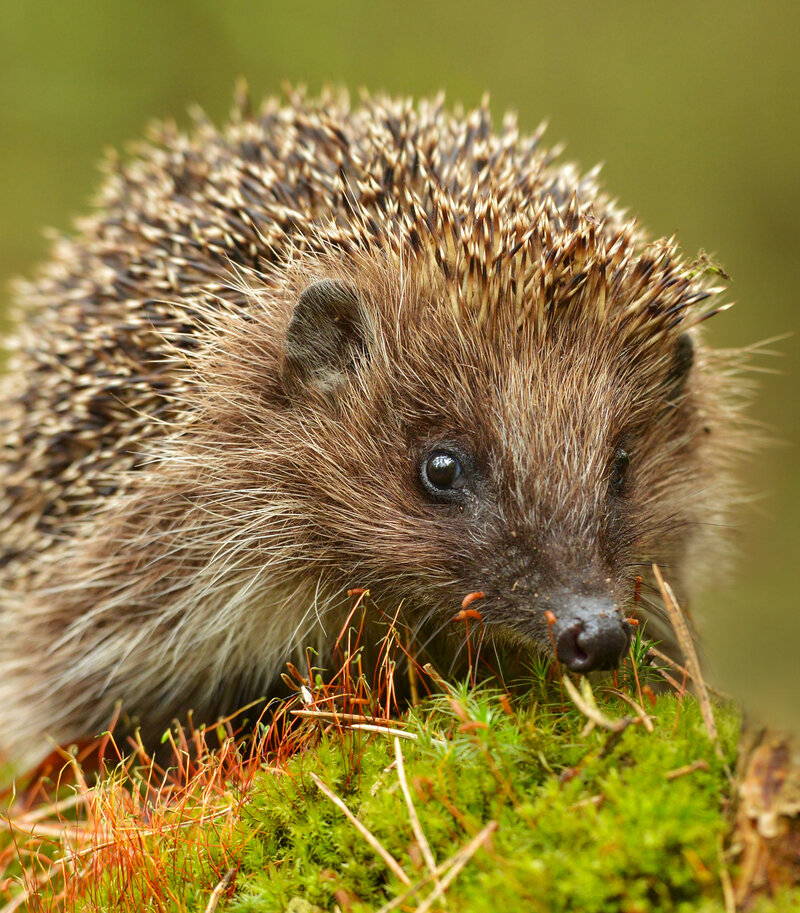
(576, 831)
(585, 821)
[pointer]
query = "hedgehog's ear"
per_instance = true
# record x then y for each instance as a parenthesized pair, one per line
(326, 336)
(679, 369)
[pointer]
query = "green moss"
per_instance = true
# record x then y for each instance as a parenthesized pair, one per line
(613, 834)
(582, 823)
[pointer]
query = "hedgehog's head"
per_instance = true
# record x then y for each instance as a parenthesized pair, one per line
(537, 426)
(546, 457)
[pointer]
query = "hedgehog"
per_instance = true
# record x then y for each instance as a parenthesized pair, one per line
(383, 345)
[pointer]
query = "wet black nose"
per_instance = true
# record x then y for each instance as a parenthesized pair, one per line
(590, 635)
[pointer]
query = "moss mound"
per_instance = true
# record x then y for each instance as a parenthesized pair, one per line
(567, 816)
(577, 829)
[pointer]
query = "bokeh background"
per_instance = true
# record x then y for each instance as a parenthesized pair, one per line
(693, 108)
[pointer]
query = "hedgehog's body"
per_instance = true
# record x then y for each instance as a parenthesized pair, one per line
(476, 348)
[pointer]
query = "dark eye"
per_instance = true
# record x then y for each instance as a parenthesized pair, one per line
(442, 472)
(619, 470)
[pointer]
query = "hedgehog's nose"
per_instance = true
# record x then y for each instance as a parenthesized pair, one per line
(590, 635)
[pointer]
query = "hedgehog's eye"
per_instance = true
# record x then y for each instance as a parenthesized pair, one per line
(619, 469)
(442, 473)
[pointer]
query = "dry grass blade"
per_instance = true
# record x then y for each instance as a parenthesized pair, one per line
(354, 721)
(51, 831)
(434, 676)
(645, 718)
(465, 853)
(335, 717)
(585, 702)
(219, 890)
(371, 839)
(457, 863)
(414, 889)
(397, 733)
(385, 730)
(416, 826)
(53, 810)
(699, 764)
(653, 651)
(690, 654)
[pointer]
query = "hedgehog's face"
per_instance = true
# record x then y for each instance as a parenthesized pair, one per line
(545, 472)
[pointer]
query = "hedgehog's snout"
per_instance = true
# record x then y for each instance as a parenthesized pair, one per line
(590, 634)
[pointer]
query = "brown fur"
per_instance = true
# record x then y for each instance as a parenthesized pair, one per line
(181, 514)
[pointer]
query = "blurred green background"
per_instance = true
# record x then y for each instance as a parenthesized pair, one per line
(692, 107)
